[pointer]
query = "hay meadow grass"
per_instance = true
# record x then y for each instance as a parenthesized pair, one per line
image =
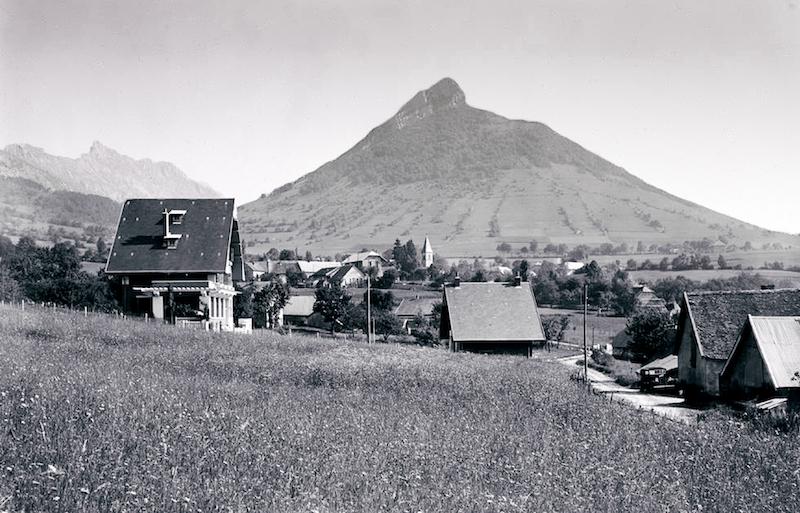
(101, 414)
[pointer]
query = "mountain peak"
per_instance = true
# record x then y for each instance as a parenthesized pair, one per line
(444, 94)
(99, 149)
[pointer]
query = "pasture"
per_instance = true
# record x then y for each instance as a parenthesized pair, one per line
(102, 414)
(779, 278)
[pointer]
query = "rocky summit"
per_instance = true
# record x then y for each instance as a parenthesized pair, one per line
(471, 179)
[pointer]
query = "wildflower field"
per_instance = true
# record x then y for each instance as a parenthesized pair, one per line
(102, 414)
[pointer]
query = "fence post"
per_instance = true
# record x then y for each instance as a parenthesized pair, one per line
(23, 305)
(146, 318)
(86, 311)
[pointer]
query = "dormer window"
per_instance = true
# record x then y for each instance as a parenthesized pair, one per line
(172, 217)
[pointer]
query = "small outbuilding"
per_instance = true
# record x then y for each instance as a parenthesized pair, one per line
(709, 326)
(765, 362)
(491, 318)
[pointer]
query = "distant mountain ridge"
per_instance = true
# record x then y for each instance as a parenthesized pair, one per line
(51, 197)
(470, 179)
(102, 171)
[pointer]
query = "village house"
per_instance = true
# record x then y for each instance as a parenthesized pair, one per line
(765, 362)
(645, 298)
(178, 259)
(491, 317)
(368, 262)
(298, 309)
(709, 326)
(409, 308)
(345, 276)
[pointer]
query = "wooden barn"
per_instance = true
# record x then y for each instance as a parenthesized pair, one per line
(765, 362)
(491, 318)
(709, 326)
(178, 259)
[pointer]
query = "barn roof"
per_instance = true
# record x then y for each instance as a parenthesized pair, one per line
(205, 230)
(719, 316)
(778, 341)
(409, 307)
(493, 312)
(338, 273)
(360, 257)
(301, 306)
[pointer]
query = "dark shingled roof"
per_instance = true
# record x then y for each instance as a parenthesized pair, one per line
(493, 312)
(138, 246)
(719, 316)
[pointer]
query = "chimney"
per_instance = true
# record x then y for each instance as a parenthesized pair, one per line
(517, 281)
(457, 281)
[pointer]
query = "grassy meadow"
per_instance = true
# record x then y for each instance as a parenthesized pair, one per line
(102, 414)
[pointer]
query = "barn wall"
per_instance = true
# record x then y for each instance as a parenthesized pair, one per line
(747, 376)
(702, 378)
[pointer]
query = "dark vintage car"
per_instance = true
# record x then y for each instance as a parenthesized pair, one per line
(659, 374)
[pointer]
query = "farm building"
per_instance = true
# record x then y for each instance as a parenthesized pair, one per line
(709, 325)
(298, 309)
(367, 260)
(490, 318)
(178, 259)
(645, 298)
(409, 308)
(344, 276)
(765, 362)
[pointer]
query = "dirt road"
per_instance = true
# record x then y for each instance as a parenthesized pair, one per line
(669, 406)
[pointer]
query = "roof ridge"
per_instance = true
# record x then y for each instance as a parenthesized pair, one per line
(746, 291)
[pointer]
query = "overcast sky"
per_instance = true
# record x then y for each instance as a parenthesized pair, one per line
(697, 97)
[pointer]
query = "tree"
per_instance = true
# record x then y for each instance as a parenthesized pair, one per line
(308, 256)
(268, 302)
(243, 303)
(555, 326)
(294, 276)
(380, 300)
(387, 324)
(652, 334)
(504, 247)
(9, 288)
(287, 254)
(631, 264)
(332, 303)
(533, 246)
(387, 280)
(663, 265)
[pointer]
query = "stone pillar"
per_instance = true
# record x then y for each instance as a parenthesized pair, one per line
(157, 304)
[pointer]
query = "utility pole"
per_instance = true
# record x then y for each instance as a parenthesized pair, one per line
(585, 312)
(369, 312)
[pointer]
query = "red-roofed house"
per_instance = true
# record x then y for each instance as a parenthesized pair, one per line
(491, 318)
(178, 258)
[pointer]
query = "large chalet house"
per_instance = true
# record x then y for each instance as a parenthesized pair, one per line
(491, 317)
(178, 259)
(368, 261)
(709, 326)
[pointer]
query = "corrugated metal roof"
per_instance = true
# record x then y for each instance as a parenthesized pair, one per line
(493, 312)
(206, 230)
(778, 340)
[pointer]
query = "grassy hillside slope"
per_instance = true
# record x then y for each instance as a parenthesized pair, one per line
(109, 415)
(471, 179)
